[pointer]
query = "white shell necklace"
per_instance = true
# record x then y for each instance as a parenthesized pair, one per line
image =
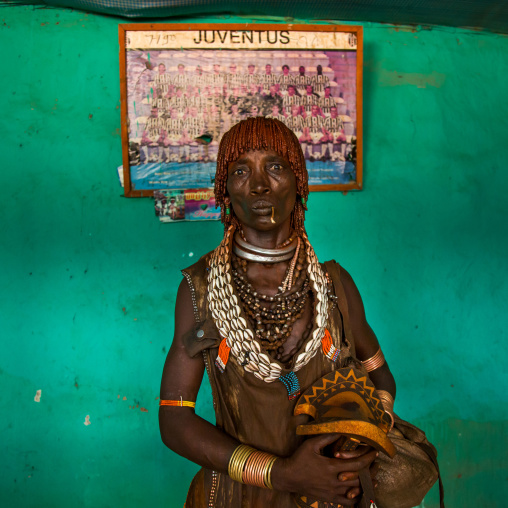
(226, 313)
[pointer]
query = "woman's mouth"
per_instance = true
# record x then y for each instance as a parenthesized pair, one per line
(262, 208)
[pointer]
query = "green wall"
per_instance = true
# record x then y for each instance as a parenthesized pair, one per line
(89, 278)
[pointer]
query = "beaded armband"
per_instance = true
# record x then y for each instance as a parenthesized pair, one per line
(223, 355)
(329, 350)
(177, 403)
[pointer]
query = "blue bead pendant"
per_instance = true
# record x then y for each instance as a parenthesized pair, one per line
(290, 381)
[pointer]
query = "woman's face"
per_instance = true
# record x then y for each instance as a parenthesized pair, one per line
(257, 182)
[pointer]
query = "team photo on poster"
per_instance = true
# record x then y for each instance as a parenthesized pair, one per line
(180, 102)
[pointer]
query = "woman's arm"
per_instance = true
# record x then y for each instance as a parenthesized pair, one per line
(181, 429)
(366, 342)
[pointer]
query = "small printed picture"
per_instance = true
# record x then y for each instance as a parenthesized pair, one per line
(170, 205)
(189, 204)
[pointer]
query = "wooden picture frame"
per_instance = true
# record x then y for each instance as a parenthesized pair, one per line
(183, 86)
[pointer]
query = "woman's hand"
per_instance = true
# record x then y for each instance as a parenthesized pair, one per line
(353, 475)
(310, 473)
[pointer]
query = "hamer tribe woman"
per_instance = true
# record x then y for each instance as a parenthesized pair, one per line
(265, 320)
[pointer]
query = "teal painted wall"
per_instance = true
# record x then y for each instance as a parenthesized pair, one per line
(88, 277)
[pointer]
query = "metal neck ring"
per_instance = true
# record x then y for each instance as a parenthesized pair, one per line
(289, 249)
(249, 256)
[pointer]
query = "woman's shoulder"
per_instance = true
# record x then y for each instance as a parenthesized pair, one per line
(199, 267)
(343, 284)
(332, 269)
(196, 277)
(202, 334)
(337, 272)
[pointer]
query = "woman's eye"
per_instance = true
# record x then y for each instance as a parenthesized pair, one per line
(276, 167)
(238, 171)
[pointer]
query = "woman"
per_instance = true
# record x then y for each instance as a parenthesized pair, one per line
(254, 313)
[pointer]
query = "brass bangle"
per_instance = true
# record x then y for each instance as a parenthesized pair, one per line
(374, 362)
(268, 473)
(260, 479)
(388, 402)
(392, 419)
(251, 466)
(255, 468)
(386, 399)
(237, 461)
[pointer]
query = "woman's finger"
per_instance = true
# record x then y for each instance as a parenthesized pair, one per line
(353, 454)
(348, 476)
(354, 492)
(355, 465)
(322, 441)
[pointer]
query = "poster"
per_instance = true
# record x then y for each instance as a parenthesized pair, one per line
(183, 89)
(189, 204)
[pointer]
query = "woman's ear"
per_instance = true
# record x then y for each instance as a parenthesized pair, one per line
(226, 211)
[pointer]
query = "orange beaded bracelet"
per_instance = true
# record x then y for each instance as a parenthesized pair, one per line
(178, 403)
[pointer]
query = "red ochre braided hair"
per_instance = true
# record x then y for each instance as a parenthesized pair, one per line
(261, 133)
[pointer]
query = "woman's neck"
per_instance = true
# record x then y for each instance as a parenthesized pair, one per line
(267, 239)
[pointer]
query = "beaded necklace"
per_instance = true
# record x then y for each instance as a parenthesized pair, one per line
(238, 337)
(272, 317)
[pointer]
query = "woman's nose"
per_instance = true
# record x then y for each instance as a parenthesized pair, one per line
(259, 183)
